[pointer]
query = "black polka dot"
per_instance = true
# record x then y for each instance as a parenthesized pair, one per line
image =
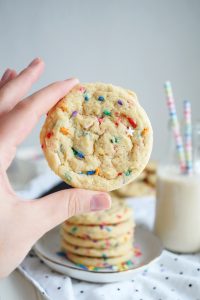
(118, 289)
(31, 255)
(198, 269)
(81, 292)
(175, 258)
(154, 288)
(132, 280)
(59, 287)
(41, 261)
(136, 291)
(166, 278)
(181, 273)
(42, 293)
(190, 285)
(46, 276)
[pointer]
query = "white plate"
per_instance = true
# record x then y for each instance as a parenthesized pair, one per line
(48, 247)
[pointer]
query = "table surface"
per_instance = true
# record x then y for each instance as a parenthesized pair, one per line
(16, 287)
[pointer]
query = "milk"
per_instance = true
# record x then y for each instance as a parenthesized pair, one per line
(177, 221)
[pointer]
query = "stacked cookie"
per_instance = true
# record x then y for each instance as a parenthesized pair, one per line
(144, 184)
(100, 239)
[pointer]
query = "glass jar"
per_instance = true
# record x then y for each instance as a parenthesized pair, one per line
(177, 220)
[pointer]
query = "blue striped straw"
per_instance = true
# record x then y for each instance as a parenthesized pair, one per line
(188, 136)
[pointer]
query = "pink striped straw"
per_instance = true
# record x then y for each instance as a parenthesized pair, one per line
(175, 125)
(188, 135)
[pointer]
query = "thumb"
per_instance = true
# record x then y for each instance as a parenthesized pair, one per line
(54, 209)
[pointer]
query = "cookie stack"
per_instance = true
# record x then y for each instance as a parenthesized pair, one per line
(100, 239)
(144, 184)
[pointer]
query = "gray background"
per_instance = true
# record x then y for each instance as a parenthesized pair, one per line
(135, 44)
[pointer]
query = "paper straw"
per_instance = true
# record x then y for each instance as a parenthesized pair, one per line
(188, 136)
(175, 126)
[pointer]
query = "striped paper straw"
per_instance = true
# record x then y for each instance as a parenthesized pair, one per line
(188, 135)
(175, 126)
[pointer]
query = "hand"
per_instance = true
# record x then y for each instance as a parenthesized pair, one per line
(22, 223)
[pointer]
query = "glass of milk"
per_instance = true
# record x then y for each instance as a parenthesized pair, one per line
(177, 220)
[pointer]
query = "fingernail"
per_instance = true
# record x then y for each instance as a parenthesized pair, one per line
(73, 80)
(100, 202)
(6, 75)
(35, 62)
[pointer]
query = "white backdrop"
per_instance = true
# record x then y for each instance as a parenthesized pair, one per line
(135, 44)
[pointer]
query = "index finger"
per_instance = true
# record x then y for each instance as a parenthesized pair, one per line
(18, 123)
(13, 91)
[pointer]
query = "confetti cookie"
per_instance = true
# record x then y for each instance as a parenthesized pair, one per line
(151, 178)
(94, 252)
(136, 188)
(98, 231)
(97, 261)
(99, 244)
(97, 137)
(119, 212)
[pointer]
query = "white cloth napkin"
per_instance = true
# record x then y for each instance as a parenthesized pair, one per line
(173, 276)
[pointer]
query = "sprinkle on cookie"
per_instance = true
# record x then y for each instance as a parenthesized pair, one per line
(106, 112)
(78, 154)
(120, 102)
(130, 131)
(49, 135)
(64, 130)
(101, 98)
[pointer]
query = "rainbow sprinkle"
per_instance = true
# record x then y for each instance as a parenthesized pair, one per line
(78, 153)
(86, 97)
(145, 131)
(81, 89)
(74, 114)
(97, 171)
(74, 229)
(132, 122)
(100, 120)
(49, 135)
(120, 102)
(128, 173)
(101, 98)
(64, 130)
(106, 112)
(115, 140)
(92, 172)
